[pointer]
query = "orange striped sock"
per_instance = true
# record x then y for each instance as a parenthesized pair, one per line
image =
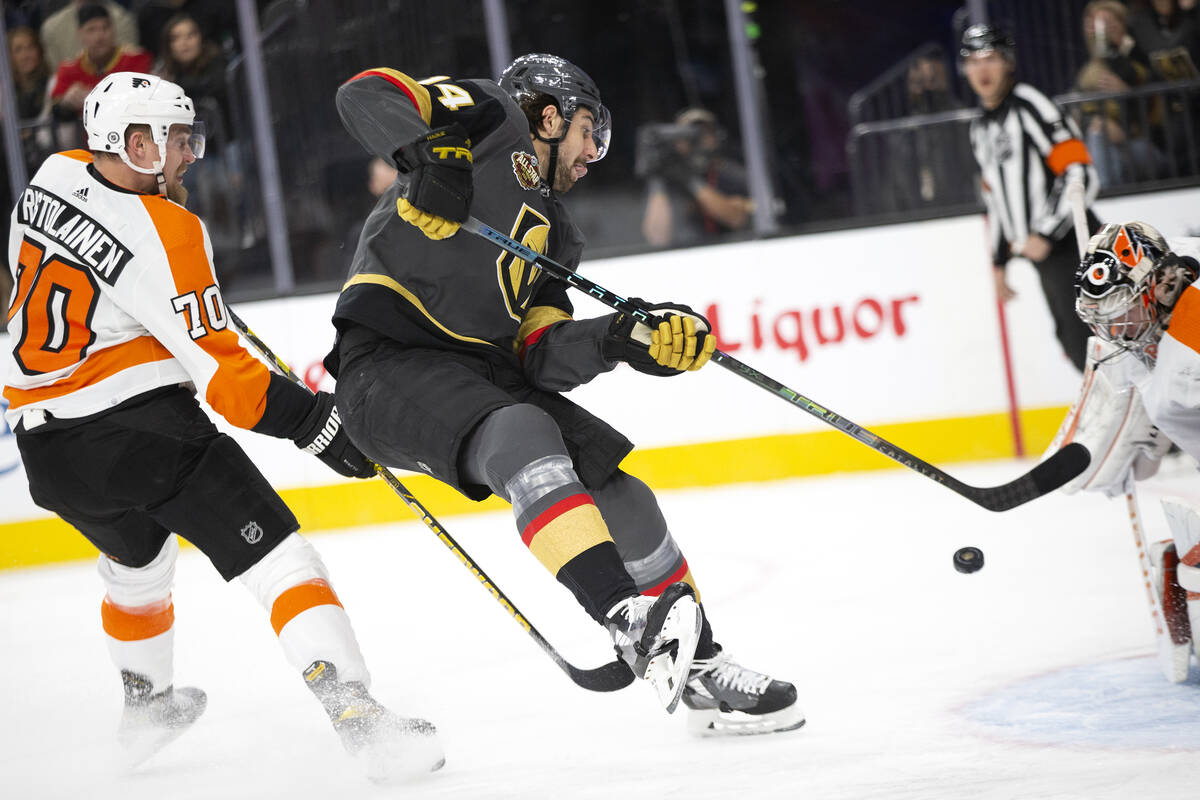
(298, 599)
(132, 624)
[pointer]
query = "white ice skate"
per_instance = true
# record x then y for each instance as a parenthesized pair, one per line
(657, 637)
(726, 699)
(391, 748)
(152, 721)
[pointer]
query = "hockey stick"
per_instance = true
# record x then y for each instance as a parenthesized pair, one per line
(607, 678)
(1173, 657)
(1042, 479)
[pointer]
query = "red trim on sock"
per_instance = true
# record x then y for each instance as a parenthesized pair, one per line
(676, 578)
(553, 512)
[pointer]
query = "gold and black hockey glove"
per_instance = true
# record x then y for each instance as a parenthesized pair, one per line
(437, 168)
(323, 434)
(681, 341)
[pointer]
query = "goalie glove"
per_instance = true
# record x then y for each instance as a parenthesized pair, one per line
(438, 168)
(324, 435)
(680, 343)
(1108, 417)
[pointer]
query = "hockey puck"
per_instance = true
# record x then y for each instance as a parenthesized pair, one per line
(968, 560)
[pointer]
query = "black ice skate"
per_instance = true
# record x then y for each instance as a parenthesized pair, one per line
(656, 637)
(152, 720)
(724, 698)
(391, 747)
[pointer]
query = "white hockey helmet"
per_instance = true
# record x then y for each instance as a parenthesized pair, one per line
(135, 98)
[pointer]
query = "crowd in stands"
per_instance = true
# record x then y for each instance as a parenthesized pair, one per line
(58, 52)
(694, 189)
(1131, 45)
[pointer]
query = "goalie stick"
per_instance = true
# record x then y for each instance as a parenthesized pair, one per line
(1042, 479)
(606, 678)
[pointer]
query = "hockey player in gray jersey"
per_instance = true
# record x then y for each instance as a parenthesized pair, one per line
(450, 358)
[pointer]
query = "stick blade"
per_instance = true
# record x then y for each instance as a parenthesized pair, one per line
(607, 678)
(1043, 479)
(1061, 467)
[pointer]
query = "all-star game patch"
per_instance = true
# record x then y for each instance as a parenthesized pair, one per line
(525, 168)
(1120, 704)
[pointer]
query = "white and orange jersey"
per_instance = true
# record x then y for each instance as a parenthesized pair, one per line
(1170, 387)
(114, 296)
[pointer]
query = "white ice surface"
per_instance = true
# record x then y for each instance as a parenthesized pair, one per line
(1032, 678)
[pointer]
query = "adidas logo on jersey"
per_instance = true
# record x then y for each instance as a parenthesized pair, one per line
(81, 193)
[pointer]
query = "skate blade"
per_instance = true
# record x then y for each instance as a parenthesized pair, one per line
(713, 723)
(667, 673)
(401, 758)
(138, 747)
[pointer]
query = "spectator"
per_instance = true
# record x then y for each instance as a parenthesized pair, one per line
(213, 16)
(380, 177)
(100, 56)
(1028, 154)
(692, 192)
(1117, 132)
(60, 30)
(924, 162)
(31, 73)
(1169, 34)
(31, 79)
(195, 63)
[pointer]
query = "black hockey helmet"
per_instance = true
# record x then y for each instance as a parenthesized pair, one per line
(541, 73)
(987, 38)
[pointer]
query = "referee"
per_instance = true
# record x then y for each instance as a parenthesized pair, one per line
(1028, 154)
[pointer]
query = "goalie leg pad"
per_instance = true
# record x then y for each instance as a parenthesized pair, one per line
(1171, 594)
(1184, 521)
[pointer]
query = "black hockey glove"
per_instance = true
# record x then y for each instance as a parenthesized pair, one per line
(680, 343)
(325, 437)
(438, 169)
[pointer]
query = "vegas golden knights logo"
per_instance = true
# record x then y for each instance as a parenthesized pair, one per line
(515, 276)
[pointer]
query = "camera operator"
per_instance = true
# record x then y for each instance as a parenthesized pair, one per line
(693, 193)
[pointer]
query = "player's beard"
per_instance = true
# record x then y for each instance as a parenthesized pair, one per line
(178, 193)
(564, 176)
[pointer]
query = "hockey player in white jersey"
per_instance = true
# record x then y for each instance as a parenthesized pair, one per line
(116, 323)
(1140, 393)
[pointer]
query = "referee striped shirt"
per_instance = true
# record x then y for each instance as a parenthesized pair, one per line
(1027, 152)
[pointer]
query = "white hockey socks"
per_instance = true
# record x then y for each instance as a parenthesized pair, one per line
(138, 618)
(292, 583)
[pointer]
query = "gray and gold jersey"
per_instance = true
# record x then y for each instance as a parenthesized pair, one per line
(461, 293)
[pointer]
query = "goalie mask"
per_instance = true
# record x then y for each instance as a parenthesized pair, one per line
(1127, 284)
